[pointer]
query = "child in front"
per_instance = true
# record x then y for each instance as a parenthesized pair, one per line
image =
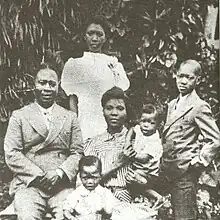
(90, 201)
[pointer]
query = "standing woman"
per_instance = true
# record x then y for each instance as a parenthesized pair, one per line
(85, 79)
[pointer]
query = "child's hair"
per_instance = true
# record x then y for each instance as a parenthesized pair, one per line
(90, 160)
(195, 64)
(150, 109)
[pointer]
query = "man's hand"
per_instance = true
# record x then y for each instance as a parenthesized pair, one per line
(49, 180)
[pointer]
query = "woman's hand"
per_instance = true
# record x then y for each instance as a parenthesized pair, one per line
(133, 176)
(129, 152)
(68, 215)
(126, 154)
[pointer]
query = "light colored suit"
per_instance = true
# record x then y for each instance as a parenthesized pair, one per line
(181, 133)
(30, 149)
(192, 118)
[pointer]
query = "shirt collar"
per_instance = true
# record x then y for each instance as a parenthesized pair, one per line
(91, 54)
(151, 137)
(45, 110)
(101, 57)
(186, 96)
(86, 192)
(154, 136)
(108, 136)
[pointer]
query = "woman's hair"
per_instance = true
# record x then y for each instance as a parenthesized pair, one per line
(97, 20)
(113, 93)
(117, 93)
(90, 160)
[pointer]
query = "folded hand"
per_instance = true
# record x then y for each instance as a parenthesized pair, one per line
(49, 180)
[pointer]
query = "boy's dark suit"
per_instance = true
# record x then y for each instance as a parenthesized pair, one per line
(180, 145)
(31, 150)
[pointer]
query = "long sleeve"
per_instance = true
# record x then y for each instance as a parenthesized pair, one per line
(70, 77)
(14, 156)
(210, 133)
(89, 148)
(122, 80)
(70, 165)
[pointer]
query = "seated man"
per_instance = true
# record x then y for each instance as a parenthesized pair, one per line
(42, 148)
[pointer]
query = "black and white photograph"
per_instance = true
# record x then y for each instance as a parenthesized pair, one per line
(109, 110)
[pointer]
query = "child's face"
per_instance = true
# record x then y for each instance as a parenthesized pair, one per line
(186, 79)
(90, 177)
(148, 124)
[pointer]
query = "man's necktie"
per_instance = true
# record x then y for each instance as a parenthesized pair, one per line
(47, 119)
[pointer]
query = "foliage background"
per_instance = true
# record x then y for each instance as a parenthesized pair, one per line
(150, 37)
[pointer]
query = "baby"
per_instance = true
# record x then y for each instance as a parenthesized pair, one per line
(90, 201)
(146, 142)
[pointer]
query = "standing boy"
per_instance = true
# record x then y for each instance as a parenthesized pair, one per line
(183, 161)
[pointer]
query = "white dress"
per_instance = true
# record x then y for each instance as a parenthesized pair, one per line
(89, 204)
(89, 77)
(148, 145)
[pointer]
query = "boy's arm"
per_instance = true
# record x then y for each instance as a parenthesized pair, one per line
(211, 136)
(142, 159)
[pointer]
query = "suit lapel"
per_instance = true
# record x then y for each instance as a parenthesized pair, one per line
(56, 125)
(186, 106)
(35, 118)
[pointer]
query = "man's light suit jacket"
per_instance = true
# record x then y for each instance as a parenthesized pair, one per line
(31, 150)
(181, 133)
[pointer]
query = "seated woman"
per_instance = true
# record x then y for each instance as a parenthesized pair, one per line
(85, 79)
(109, 146)
(115, 155)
